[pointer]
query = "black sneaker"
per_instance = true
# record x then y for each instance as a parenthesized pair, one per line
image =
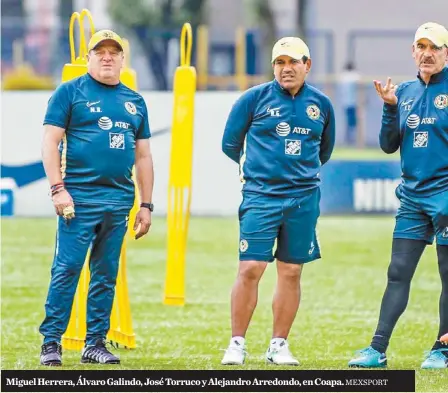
(98, 353)
(51, 354)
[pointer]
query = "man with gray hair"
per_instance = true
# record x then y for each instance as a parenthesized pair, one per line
(415, 120)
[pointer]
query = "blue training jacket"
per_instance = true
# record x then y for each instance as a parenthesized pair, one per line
(280, 141)
(418, 125)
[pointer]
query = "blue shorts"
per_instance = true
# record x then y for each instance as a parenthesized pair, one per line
(289, 221)
(422, 218)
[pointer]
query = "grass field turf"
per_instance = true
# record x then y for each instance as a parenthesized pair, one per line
(341, 295)
(372, 153)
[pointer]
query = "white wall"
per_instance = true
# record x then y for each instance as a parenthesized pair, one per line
(216, 187)
(346, 188)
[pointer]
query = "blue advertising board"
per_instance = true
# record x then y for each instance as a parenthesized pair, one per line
(350, 187)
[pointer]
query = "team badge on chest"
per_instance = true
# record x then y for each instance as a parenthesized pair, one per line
(313, 112)
(130, 107)
(441, 101)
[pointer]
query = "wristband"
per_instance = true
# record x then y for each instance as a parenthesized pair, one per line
(56, 186)
(56, 189)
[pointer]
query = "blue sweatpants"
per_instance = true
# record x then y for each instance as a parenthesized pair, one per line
(103, 227)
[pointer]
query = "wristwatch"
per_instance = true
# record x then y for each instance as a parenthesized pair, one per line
(149, 206)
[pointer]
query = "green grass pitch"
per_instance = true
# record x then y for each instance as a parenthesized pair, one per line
(371, 153)
(341, 295)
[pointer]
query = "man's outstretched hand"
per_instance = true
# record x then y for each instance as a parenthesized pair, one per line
(387, 93)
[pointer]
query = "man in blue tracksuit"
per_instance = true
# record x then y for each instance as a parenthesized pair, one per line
(96, 129)
(415, 120)
(280, 133)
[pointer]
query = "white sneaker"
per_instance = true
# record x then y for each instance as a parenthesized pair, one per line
(235, 353)
(279, 353)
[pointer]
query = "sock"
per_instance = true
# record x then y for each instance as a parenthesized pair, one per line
(405, 256)
(442, 256)
(380, 342)
(277, 341)
(439, 345)
(238, 341)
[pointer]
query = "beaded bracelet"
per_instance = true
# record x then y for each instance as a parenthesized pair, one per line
(56, 188)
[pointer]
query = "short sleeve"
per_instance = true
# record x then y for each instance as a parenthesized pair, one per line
(59, 107)
(143, 131)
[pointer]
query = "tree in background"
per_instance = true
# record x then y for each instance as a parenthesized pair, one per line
(266, 21)
(154, 23)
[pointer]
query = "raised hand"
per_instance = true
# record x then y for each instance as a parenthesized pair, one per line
(387, 93)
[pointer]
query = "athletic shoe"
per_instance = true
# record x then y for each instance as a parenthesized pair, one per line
(51, 354)
(279, 353)
(235, 354)
(368, 358)
(436, 359)
(98, 353)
